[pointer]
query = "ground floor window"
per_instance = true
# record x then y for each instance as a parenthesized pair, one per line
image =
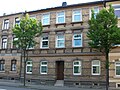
(95, 67)
(29, 67)
(117, 68)
(43, 67)
(13, 65)
(2, 65)
(77, 68)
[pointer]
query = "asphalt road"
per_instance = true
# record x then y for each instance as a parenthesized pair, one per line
(13, 88)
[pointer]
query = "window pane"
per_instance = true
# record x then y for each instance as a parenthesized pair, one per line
(76, 63)
(96, 69)
(117, 70)
(117, 13)
(77, 42)
(61, 20)
(60, 43)
(44, 63)
(76, 69)
(45, 44)
(43, 69)
(29, 68)
(77, 18)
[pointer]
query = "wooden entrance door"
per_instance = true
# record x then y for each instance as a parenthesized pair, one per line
(60, 70)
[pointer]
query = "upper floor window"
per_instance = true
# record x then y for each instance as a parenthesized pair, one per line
(60, 17)
(77, 16)
(96, 11)
(17, 21)
(43, 67)
(117, 10)
(95, 67)
(60, 41)
(77, 67)
(46, 19)
(14, 39)
(44, 41)
(13, 65)
(6, 24)
(29, 67)
(4, 43)
(117, 68)
(77, 40)
(2, 65)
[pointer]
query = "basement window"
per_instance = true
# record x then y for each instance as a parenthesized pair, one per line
(118, 85)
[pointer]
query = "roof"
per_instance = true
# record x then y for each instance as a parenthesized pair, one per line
(61, 7)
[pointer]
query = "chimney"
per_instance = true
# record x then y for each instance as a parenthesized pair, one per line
(64, 4)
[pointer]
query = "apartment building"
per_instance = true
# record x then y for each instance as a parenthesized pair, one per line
(114, 69)
(62, 52)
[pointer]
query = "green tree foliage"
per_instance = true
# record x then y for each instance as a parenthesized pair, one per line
(103, 31)
(26, 32)
(104, 34)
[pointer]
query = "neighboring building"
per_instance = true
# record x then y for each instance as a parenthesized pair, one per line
(62, 52)
(114, 72)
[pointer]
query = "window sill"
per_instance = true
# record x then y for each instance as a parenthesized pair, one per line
(80, 22)
(2, 71)
(57, 24)
(46, 25)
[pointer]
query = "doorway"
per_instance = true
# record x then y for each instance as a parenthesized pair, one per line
(60, 70)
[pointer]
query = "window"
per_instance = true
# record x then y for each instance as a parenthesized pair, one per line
(15, 39)
(29, 67)
(13, 65)
(44, 42)
(77, 16)
(4, 43)
(6, 24)
(43, 67)
(117, 10)
(117, 68)
(17, 21)
(77, 68)
(2, 65)
(60, 41)
(60, 17)
(95, 67)
(96, 11)
(77, 40)
(46, 19)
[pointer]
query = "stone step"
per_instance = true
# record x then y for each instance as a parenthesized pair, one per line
(59, 83)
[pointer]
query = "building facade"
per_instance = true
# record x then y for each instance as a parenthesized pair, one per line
(62, 52)
(114, 56)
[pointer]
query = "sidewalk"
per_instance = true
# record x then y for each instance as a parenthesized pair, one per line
(12, 83)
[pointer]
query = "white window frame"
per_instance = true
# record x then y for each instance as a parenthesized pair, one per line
(13, 65)
(5, 24)
(43, 41)
(115, 68)
(18, 20)
(73, 44)
(44, 18)
(2, 66)
(57, 16)
(97, 65)
(90, 11)
(29, 65)
(117, 8)
(4, 45)
(79, 65)
(43, 65)
(57, 39)
(73, 15)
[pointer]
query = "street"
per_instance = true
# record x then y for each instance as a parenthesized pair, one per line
(43, 88)
(13, 88)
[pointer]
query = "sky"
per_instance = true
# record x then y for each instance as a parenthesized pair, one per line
(15, 6)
